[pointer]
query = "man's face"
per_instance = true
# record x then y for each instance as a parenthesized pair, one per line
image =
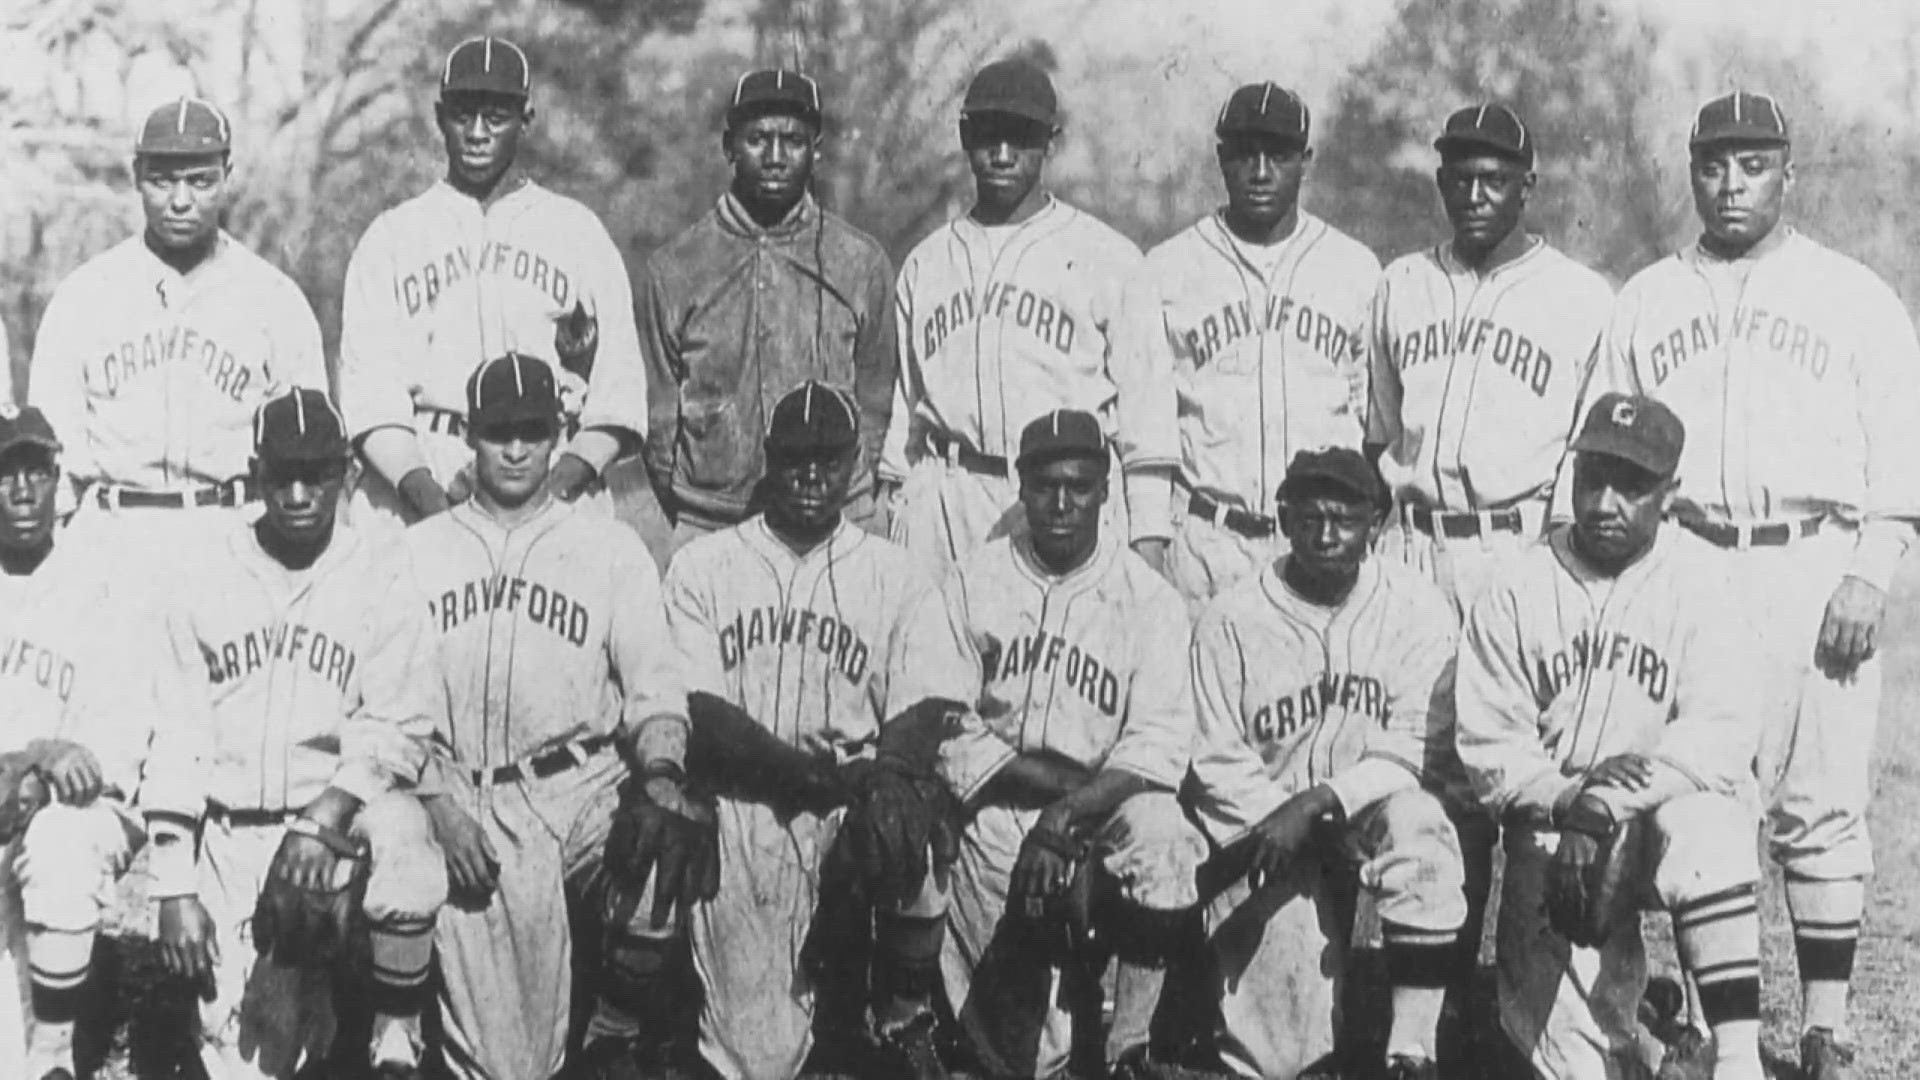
(301, 496)
(482, 135)
(1262, 175)
(182, 197)
(1739, 190)
(772, 158)
(1062, 500)
(1329, 531)
(28, 480)
(806, 488)
(1617, 507)
(1484, 195)
(1007, 154)
(512, 458)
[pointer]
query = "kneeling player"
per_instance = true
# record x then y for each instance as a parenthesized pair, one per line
(313, 659)
(1321, 686)
(93, 714)
(1069, 648)
(1606, 717)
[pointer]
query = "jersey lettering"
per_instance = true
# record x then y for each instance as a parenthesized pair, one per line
(1361, 695)
(771, 626)
(1040, 316)
(420, 289)
(1788, 339)
(131, 359)
(541, 605)
(1315, 329)
(1085, 674)
(1511, 351)
(329, 658)
(50, 671)
(1603, 650)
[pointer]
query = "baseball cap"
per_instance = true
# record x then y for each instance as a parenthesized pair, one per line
(486, 65)
(1636, 429)
(512, 388)
(1016, 87)
(774, 91)
(1343, 467)
(299, 425)
(1060, 434)
(1264, 109)
(1488, 126)
(185, 126)
(1741, 116)
(25, 427)
(813, 416)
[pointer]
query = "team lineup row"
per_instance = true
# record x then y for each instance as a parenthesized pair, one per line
(572, 719)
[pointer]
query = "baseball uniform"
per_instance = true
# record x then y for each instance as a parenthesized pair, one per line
(1291, 694)
(1088, 665)
(1560, 668)
(1254, 352)
(999, 325)
(318, 677)
(550, 637)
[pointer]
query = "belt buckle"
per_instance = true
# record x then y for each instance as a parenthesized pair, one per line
(1742, 537)
(950, 452)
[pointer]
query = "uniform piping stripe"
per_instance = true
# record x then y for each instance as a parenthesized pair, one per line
(61, 980)
(1836, 932)
(1744, 968)
(1266, 93)
(1407, 935)
(1738, 892)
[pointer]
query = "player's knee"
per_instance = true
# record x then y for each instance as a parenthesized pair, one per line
(1694, 856)
(1416, 867)
(65, 853)
(408, 876)
(1415, 820)
(1153, 852)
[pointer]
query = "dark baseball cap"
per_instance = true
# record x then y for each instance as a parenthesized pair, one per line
(1016, 87)
(25, 427)
(774, 92)
(1264, 109)
(813, 417)
(1490, 126)
(1740, 117)
(512, 388)
(185, 127)
(299, 425)
(1343, 468)
(1062, 433)
(486, 65)
(1636, 429)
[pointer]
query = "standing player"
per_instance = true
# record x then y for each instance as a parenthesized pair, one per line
(1607, 708)
(91, 699)
(1796, 371)
(765, 292)
(1323, 689)
(1069, 649)
(312, 656)
(1005, 314)
(549, 634)
(483, 263)
(1252, 323)
(153, 355)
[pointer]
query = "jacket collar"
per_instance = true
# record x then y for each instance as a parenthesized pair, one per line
(734, 218)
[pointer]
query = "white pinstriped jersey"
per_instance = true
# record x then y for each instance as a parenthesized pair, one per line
(1476, 376)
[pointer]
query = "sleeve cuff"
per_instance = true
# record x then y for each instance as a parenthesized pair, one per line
(1877, 553)
(393, 451)
(661, 738)
(170, 862)
(1368, 782)
(1149, 492)
(970, 760)
(597, 446)
(362, 779)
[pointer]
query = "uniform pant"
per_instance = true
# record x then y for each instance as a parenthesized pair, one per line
(268, 1020)
(1572, 1010)
(1461, 566)
(1148, 848)
(945, 513)
(1280, 953)
(1204, 559)
(138, 546)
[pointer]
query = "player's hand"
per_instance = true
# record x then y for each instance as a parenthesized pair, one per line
(460, 488)
(1847, 634)
(570, 477)
(70, 770)
(188, 946)
(473, 867)
(576, 337)
(423, 494)
(1568, 872)
(1285, 833)
(1628, 772)
(1048, 857)
(1154, 550)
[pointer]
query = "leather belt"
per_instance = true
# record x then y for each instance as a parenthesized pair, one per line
(956, 452)
(1766, 534)
(252, 818)
(1250, 525)
(1466, 523)
(235, 492)
(441, 421)
(545, 764)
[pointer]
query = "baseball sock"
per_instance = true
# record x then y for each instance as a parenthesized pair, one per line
(402, 953)
(1718, 938)
(636, 982)
(906, 966)
(1419, 966)
(1826, 931)
(61, 962)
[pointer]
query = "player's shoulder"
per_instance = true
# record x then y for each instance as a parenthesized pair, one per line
(1150, 589)
(683, 249)
(852, 238)
(1413, 592)
(1422, 262)
(256, 273)
(1250, 601)
(1094, 236)
(1838, 273)
(104, 268)
(713, 555)
(1569, 275)
(1334, 247)
(565, 211)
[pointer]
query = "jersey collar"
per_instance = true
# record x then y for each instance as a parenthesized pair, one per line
(1080, 577)
(838, 544)
(1284, 598)
(1443, 252)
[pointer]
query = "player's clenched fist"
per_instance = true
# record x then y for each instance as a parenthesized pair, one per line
(70, 770)
(1287, 832)
(1852, 621)
(659, 833)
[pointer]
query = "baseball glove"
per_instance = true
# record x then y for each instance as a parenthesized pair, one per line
(898, 817)
(310, 922)
(23, 791)
(732, 754)
(674, 844)
(1590, 883)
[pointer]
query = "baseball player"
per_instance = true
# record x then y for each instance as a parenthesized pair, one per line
(1608, 714)
(482, 263)
(152, 356)
(766, 291)
(1796, 371)
(1068, 648)
(95, 716)
(312, 657)
(1252, 323)
(795, 616)
(1322, 688)
(549, 634)
(1005, 314)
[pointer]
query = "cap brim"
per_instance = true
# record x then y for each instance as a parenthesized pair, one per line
(749, 111)
(29, 439)
(1464, 142)
(1223, 131)
(1631, 453)
(1372, 494)
(1018, 110)
(1034, 459)
(1754, 136)
(513, 414)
